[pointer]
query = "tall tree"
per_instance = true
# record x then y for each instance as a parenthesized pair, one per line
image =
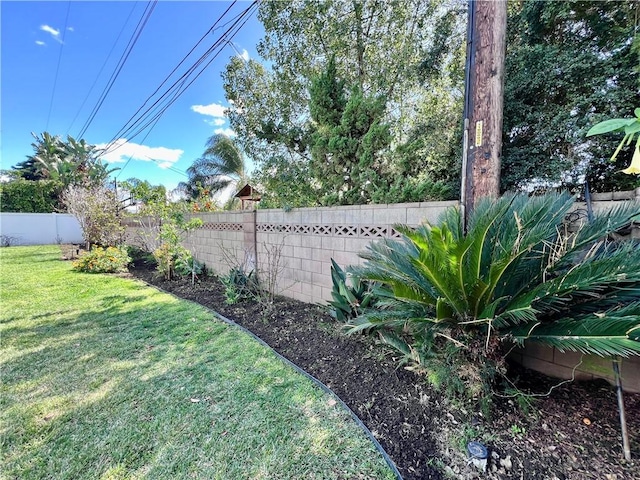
(221, 164)
(569, 65)
(71, 162)
(142, 191)
(383, 48)
(348, 137)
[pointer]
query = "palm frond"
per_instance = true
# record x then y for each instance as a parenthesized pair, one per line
(597, 278)
(606, 222)
(613, 332)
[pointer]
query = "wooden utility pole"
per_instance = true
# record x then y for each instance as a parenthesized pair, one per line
(483, 100)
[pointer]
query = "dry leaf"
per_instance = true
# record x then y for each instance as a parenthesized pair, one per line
(586, 421)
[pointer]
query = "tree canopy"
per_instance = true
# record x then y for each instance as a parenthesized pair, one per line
(37, 183)
(385, 55)
(569, 65)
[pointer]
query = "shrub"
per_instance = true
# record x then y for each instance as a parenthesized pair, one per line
(141, 255)
(173, 230)
(97, 212)
(168, 256)
(30, 196)
(348, 301)
(516, 274)
(103, 260)
(239, 285)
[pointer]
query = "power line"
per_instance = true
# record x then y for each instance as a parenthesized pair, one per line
(153, 114)
(142, 142)
(161, 104)
(123, 59)
(55, 80)
(181, 62)
(104, 64)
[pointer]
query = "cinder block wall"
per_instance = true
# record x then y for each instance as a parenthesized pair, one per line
(222, 234)
(555, 363)
(308, 238)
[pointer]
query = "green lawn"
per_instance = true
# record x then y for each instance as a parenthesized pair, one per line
(106, 378)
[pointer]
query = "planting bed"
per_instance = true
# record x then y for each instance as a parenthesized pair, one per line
(572, 433)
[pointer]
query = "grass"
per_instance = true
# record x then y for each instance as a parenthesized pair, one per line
(106, 378)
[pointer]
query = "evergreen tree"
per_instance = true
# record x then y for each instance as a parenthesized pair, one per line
(347, 141)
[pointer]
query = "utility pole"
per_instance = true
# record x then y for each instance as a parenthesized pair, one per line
(484, 85)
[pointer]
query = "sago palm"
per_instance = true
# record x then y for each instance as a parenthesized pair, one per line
(517, 273)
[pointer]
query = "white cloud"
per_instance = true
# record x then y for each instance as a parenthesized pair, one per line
(244, 55)
(120, 151)
(213, 110)
(52, 31)
(71, 29)
(225, 131)
(218, 122)
(40, 42)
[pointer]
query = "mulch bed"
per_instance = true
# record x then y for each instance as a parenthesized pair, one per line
(573, 433)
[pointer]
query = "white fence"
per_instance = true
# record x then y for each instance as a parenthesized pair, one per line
(39, 228)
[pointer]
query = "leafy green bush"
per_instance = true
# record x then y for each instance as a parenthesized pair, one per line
(170, 253)
(348, 302)
(138, 254)
(516, 274)
(168, 256)
(31, 196)
(103, 260)
(189, 266)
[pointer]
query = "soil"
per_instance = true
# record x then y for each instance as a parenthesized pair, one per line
(571, 433)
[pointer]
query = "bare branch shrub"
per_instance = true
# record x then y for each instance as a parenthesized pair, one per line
(148, 232)
(262, 284)
(271, 266)
(96, 209)
(8, 240)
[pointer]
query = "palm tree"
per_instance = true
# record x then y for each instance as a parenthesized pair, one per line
(72, 162)
(48, 150)
(516, 274)
(221, 165)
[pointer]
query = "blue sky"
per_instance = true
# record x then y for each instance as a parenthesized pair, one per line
(75, 39)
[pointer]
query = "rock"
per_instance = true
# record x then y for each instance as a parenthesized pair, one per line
(495, 455)
(480, 463)
(506, 463)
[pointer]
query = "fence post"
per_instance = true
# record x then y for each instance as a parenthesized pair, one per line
(249, 219)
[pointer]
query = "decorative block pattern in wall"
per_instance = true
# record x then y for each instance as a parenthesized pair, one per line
(356, 231)
(234, 227)
(274, 228)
